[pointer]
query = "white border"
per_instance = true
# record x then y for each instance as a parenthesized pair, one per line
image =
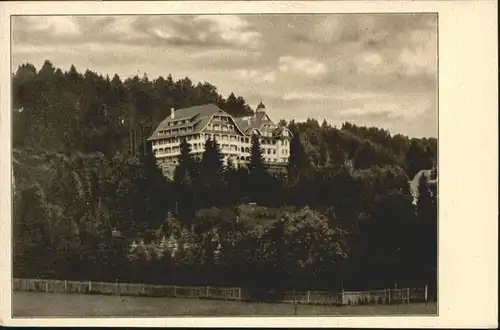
(468, 153)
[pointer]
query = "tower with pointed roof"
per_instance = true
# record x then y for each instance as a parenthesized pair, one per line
(261, 107)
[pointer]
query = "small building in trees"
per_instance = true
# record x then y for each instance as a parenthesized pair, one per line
(430, 179)
(199, 123)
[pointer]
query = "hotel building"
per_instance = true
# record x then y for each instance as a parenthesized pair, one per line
(197, 124)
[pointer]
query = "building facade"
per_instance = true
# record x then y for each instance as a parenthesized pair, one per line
(197, 124)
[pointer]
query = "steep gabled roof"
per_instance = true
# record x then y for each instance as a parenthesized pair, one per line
(278, 130)
(256, 121)
(199, 115)
(206, 110)
(244, 123)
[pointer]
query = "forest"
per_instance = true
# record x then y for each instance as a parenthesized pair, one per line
(90, 203)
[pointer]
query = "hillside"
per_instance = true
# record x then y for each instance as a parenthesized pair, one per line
(343, 209)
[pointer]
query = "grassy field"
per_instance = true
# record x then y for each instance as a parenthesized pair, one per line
(30, 304)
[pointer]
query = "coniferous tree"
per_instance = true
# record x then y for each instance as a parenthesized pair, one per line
(417, 158)
(299, 172)
(184, 179)
(152, 188)
(230, 184)
(212, 158)
(298, 161)
(256, 165)
(212, 174)
(258, 176)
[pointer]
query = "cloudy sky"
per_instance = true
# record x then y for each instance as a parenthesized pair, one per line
(376, 70)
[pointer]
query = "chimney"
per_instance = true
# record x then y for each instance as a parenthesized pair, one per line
(172, 113)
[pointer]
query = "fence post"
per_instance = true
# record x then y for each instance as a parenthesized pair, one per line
(206, 291)
(308, 296)
(46, 286)
(343, 298)
(294, 303)
(239, 293)
(389, 295)
(425, 293)
(408, 294)
(65, 286)
(90, 286)
(175, 291)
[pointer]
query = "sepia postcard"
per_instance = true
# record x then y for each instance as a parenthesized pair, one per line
(240, 163)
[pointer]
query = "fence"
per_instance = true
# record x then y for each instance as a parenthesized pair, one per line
(387, 296)
(126, 289)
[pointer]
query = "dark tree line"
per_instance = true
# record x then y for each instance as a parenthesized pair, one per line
(91, 204)
(91, 113)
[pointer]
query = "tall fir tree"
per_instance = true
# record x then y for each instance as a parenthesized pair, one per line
(256, 165)
(299, 172)
(212, 174)
(258, 176)
(154, 200)
(298, 161)
(185, 176)
(211, 163)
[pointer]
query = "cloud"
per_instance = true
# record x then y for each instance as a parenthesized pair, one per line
(256, 76)
(151, 31)
(337, 96)
(301, 65)
(232, 29)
